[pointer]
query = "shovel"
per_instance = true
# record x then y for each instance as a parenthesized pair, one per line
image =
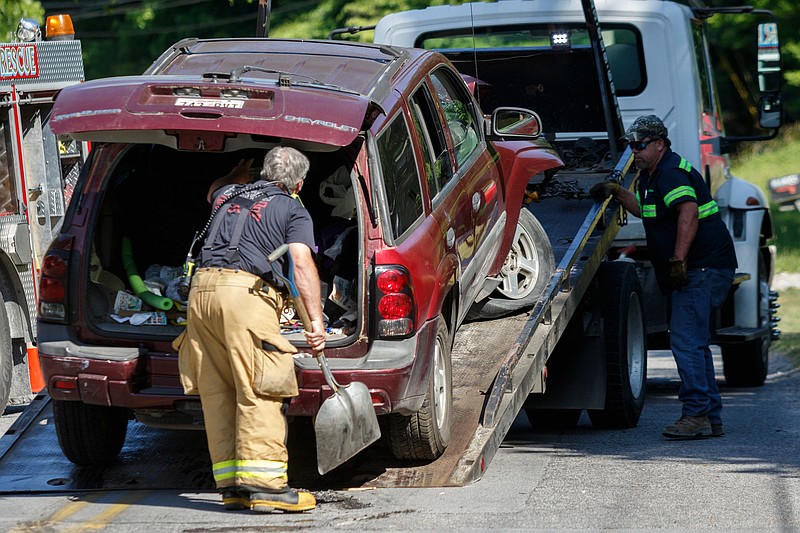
(346, 423)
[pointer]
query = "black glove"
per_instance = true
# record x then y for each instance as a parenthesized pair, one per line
(678, 275)
(604, 189)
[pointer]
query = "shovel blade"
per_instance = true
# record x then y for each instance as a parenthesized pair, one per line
(345, 425)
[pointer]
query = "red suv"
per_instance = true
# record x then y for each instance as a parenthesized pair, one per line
(415, 195)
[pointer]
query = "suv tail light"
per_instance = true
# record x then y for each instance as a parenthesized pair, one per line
(395, 301)
(53, 281)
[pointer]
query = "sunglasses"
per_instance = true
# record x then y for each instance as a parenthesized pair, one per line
(640, 145)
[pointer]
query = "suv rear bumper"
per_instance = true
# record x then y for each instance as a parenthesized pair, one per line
(395, 372)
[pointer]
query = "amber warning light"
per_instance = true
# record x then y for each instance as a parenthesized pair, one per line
(59, 28)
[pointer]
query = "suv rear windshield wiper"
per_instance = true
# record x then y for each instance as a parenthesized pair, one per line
(288, 79)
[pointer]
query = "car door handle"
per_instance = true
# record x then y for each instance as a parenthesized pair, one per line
(476, 201)
(450, 238)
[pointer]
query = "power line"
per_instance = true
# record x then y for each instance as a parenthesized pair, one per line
(99, 10)
(184, 28)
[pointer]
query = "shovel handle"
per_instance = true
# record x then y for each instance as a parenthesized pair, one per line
(322, 361)
(300, 307)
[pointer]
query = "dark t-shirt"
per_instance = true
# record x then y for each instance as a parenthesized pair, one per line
(274, 218)
(674, 182)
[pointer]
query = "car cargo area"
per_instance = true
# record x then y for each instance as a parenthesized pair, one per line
(152, 203)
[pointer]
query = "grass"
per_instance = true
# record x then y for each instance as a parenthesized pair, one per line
(759, 163)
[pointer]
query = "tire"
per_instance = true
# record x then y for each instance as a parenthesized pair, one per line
(625, 338)
(90, 435)
(747, 364)
(6, 358)
(426, 434)
(526, 272)
(552, 419)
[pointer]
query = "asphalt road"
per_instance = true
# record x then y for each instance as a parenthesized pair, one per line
(577, 479)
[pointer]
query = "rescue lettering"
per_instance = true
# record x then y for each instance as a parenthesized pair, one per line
(18, 61)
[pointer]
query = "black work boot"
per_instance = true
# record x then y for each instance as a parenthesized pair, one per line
(689, 427)
(235, 498)
(263, 500)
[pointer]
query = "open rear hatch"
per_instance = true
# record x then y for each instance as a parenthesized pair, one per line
(158, 145)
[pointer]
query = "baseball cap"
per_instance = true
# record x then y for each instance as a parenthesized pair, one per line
(644, 127)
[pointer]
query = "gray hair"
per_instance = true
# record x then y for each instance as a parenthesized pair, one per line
(285, 165)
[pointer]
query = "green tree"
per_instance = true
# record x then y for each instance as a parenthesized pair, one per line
(122, 37)
(13, 10)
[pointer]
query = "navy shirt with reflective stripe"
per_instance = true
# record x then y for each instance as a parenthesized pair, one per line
(674, 182)
(274, 219)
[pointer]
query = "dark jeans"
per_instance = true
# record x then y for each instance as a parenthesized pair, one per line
(690, 334)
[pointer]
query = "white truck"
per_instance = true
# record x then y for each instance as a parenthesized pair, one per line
(37, 172)
(660, 59)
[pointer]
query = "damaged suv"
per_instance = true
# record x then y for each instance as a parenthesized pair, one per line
(415, 196)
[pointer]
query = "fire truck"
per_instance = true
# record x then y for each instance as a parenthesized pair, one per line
(38, 170)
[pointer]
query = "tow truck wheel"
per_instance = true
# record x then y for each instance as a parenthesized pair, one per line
(747, 364)
(90, 435)
(625, 346)
(6, 358)
(525, 273)
(425, 434)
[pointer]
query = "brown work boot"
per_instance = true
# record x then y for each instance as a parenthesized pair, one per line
(235, 498)
(689, 427)
(717, 430)
(264, 500)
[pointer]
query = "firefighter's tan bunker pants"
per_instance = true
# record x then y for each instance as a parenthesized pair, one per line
(233, 355)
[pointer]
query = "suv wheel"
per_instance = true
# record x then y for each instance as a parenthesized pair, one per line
(90, 435)
(526, 272)
(425, 434)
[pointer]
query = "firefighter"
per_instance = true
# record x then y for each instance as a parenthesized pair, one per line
(232, 353)
(694, 261)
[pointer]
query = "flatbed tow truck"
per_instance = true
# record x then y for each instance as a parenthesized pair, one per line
(582, 346)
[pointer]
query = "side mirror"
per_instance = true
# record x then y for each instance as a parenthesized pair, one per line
(516, 122)
(770, 112)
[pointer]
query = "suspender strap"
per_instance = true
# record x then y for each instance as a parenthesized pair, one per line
(210, 234)
(236, 236)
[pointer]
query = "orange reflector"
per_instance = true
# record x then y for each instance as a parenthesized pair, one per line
(65, 384)
(59, 28)
(752, 201)
(34, 369)
(377, 399)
